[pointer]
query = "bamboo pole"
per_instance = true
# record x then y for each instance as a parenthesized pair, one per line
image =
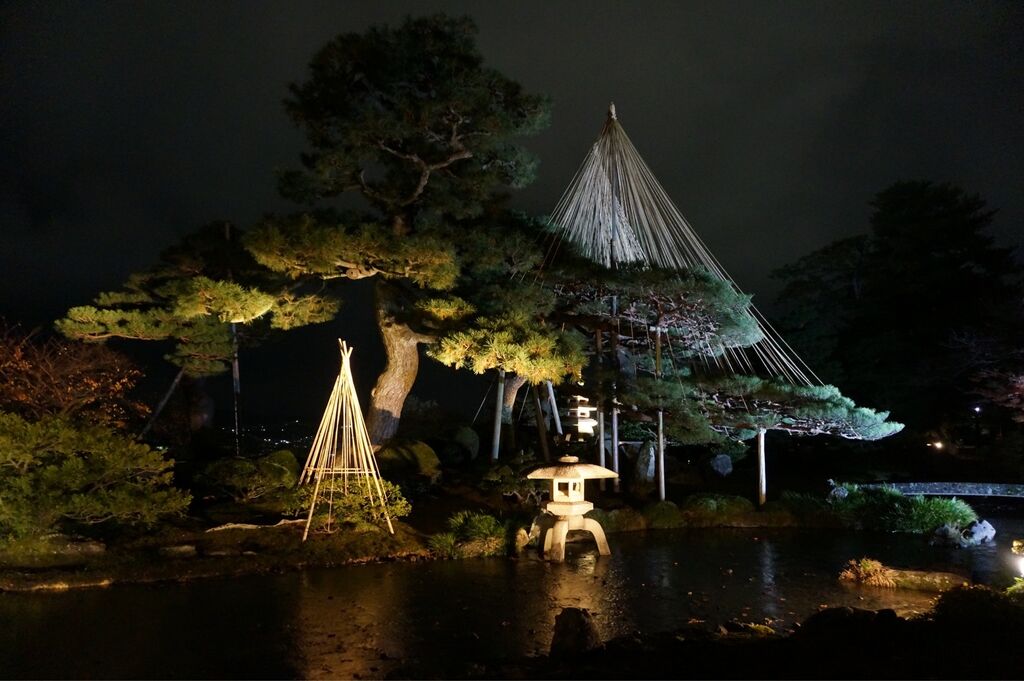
(499, 403)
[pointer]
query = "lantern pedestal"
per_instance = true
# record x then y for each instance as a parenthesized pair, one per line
(567, 506)
(555, 528)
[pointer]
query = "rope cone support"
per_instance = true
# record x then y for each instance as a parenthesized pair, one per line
(341, 456)
(616, 212)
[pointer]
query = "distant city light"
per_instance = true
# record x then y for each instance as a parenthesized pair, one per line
(977, 410)
(937, 444)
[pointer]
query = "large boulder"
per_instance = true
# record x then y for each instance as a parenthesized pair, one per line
(575, 633)
(410, 460)
(720, 465)
(644, 467)
(978, 532)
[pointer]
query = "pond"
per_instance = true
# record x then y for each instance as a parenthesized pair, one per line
(363, 621)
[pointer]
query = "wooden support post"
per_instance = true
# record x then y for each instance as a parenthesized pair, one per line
(659, 463)
(499, 402)
(542, 429)
(599, 346)
(762, 477)
(554, 408)
(615, 445)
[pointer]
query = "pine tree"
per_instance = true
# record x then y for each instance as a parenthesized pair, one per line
(411, 120)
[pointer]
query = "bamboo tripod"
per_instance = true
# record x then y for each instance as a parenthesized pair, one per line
(342, 451)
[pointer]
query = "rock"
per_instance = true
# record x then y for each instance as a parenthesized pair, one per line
(838, 492)
(523, 539)
(845, 623)
(575, 633)
(180, 551)
(644, 468)
(923, 580)
(720, 465)
(74, 549)
(461, 446)
(978, 532)
(407, 460)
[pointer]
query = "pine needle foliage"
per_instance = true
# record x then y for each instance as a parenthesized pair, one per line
(200, 287)
(55, 474)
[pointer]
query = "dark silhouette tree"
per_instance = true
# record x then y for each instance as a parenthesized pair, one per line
(903, 316)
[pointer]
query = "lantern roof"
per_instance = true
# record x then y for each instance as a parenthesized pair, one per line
(570, 468)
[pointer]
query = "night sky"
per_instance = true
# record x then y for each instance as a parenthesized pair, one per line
(125, 125)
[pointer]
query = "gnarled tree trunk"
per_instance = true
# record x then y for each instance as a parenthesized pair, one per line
(401, 347)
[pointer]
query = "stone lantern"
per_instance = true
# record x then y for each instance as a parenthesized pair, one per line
(568, 505)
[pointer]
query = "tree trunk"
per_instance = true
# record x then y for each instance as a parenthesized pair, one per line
(401, 347)
(513, 384)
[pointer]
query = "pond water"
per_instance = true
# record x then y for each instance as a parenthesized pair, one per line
(363, 621)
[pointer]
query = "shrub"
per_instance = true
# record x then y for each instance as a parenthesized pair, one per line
(352, 505)
(445, 545)
(54, 473)
(868, 571)
(884, 508)
(881, 508)
(662, 515)
(471, 534)
(714, 507)
(624, 519)
(471, 525)
(1016, 591)
(249, 480)
(979, 609)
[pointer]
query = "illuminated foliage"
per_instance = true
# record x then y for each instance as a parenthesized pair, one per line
(56, 377)
(409, 118)
(54, 473)
(200, 287)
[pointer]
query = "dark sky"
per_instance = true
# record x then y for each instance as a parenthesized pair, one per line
(124, 125)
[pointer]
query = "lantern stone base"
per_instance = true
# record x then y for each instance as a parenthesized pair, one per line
(556, 524)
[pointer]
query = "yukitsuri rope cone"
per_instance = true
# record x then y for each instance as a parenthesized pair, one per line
(341, 453)
(616, 213)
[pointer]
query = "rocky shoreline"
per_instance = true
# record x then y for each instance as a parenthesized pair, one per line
(972, 633)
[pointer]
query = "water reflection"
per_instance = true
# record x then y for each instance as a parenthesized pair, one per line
(363, 621)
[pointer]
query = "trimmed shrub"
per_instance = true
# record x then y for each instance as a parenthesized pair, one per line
(620, 520)
(663, 515)
(711, 508)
